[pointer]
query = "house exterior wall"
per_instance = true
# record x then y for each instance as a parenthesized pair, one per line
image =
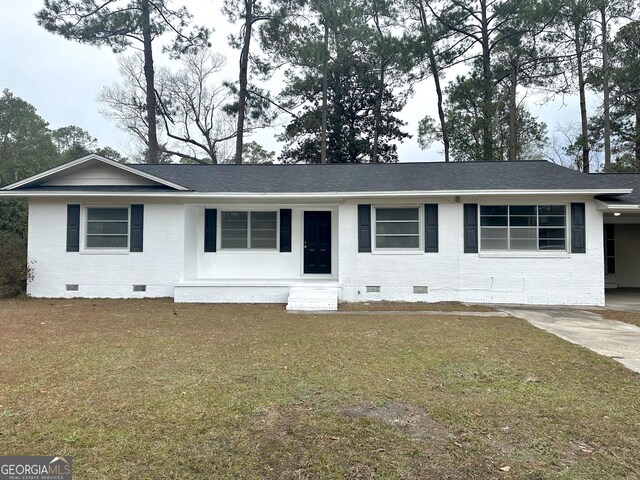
(253, 264)
(110, 275)
(174, 263)
(451, 275)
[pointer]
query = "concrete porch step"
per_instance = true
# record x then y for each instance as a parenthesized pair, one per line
(313, 298)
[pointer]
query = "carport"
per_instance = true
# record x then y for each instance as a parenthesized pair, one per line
(621, 219)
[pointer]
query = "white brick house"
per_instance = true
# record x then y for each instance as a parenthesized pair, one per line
(487, 232)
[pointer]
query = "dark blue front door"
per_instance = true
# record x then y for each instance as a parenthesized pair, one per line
(317, 242)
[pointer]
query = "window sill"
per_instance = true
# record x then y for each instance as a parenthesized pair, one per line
(104, 252)
(524, 255)
(245, 251)
(397, 252)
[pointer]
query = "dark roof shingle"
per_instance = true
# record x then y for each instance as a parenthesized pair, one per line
(397, 177)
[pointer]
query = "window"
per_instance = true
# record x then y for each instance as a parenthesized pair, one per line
(107, 228)
(523, 227)
(255, 230)
(397, 228)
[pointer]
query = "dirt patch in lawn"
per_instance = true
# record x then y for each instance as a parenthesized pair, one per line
(411, 420)
(384, 306)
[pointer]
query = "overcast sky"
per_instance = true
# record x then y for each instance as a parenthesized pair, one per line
(62, 79)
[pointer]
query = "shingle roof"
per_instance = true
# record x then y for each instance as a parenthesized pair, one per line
(630, 180)
(458, 176)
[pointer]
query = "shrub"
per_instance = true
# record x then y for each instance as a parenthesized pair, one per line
(14, 270)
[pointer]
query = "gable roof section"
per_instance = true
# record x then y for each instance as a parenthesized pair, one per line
(382, 177)
(56, 173)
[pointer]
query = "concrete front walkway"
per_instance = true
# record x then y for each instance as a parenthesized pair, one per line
(618, 340)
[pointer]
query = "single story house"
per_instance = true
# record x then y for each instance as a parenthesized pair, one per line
(312, 235)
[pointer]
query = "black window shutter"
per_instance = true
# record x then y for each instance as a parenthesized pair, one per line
(431, 227)
(73, 228)
(285, 229)
(210, 229)
(364, 228)
(470, 228)
(137, 228)
(578, 230)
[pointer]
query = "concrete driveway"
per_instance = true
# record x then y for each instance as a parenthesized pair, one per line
(623, 299)
(614, 339)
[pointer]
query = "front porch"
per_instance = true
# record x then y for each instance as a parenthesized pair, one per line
(297, 293)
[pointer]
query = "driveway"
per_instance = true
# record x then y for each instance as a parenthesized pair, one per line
(611, 338)
(623, 299)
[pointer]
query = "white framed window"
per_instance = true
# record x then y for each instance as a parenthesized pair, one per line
(523, 227)
(106, 228)
(249, 230)
(397, 228)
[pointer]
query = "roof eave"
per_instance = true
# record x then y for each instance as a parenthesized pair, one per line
(285, 195)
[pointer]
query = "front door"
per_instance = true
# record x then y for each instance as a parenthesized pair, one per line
(317, 242)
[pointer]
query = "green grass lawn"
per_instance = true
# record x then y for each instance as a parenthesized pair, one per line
(151, 389)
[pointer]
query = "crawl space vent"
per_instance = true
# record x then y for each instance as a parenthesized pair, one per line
(72, 287)
(420, 289)
(373, 288)
(139, 288)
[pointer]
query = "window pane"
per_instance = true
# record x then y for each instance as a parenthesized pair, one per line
(552, 221)
(264, 229)
(552, 239)
(120, 228)
(493, 238)
(106, 241)
(493, 210)
(554, 233)
(397, 242)
(522, 210)
(233, 242)
(523, 239)
(494, 221)
(263, 243)
(523, 221)
(552, 244)
(551, 209)
(108, 214)
(233, 229)
(395, 214)
(406, 228)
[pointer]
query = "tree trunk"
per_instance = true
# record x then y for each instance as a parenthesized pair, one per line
(325, 94)
(435, 73)
(487, 89)
(152, 147)
(605, 89)
(242, 81)
(378, 118)
(637, 131)
(513, 113)
(584, 136)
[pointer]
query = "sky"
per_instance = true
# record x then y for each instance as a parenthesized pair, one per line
(62, 79)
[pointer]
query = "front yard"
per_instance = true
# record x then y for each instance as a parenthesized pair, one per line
(151, 389)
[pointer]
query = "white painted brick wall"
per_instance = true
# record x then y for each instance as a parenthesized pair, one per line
(159, 266)
(535, 278)
(450, 274)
